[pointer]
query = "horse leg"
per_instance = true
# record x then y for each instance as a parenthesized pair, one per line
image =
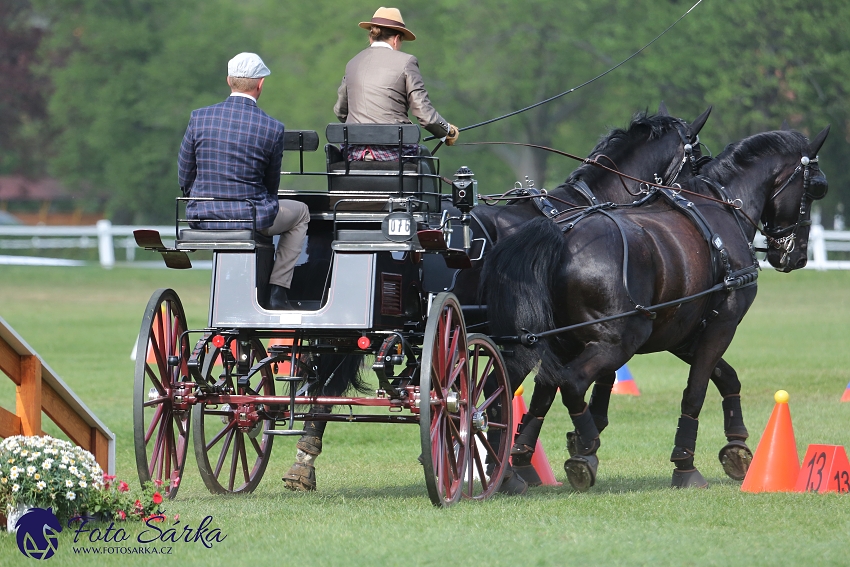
(336, 374)
(598, 405)
(514, 482)
(599, 358)
(528, 431)
(735, 456)
(301, 476)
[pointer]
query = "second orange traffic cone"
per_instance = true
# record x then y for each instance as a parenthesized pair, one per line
(776, 464)
(538, 460)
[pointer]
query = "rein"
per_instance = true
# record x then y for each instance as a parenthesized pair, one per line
(584, 84)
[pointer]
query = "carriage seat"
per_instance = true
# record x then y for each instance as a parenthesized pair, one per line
(221, 239)
(354, 179)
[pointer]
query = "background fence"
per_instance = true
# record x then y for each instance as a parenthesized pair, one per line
(828, 249)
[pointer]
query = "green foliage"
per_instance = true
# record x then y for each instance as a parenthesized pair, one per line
(124, 75)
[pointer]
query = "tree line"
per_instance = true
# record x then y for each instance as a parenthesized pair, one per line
(101, 90)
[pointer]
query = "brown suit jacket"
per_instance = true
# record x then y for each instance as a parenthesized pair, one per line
(380, 86)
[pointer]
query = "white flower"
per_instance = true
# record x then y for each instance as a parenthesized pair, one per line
(46, 464)
(62, 467)
(83, 484)
(65, 459)
(13, 474)
(70, 495)
(14, 470)
(30, 470)
(24, 453)
(69, 483)
(40, 484)
(16, 487)
(73, 469)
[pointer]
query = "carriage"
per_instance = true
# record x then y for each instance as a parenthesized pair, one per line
(374, 279)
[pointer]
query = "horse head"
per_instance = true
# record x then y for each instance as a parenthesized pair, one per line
(787, 216)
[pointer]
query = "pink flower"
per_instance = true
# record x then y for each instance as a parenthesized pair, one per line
(176, 517)
(176, 481)
(157, 498)
(107, 479)
(122, 515)
(123, 486)
(157, 482)
(138, 505)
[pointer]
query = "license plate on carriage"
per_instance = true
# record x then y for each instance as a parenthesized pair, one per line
(399, 227)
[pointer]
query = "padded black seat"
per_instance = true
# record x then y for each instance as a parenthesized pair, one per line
(381, 178)
(218, 235)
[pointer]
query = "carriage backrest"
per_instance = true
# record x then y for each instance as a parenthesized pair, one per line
(380, 178)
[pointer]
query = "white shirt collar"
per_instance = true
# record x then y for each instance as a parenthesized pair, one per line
(381, 44)
(243, 95)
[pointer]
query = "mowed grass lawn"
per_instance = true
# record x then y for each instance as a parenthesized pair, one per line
(372, 507)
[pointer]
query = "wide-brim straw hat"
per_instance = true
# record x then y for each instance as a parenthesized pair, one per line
(389, 18)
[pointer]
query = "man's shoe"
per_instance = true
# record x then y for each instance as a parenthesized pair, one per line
(278, 300)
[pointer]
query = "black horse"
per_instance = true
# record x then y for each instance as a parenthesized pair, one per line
(652, 147)
(654, 264)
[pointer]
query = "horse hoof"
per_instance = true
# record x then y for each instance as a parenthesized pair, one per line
(513, 484)
(528, 474)
(572, 442)
(736, 458)
(300, 477)
(688, 479)
(581, 471)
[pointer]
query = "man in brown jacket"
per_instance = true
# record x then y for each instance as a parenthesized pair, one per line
(381, 84)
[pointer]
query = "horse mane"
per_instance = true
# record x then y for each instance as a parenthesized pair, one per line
(731, 161)
(642, 128)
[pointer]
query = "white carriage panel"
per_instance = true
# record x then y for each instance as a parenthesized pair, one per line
(233, 297)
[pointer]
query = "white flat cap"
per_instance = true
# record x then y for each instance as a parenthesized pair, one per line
(247, 65)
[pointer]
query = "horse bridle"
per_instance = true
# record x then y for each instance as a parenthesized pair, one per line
(785, 238)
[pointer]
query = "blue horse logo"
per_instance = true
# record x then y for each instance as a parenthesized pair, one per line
(38, 533)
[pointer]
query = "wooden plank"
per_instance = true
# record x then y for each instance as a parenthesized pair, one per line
(10, 362)
(100, 449)
(28, 396)
(66, 418)
(10, 424)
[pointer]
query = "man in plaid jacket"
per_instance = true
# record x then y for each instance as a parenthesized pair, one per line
(233, 150)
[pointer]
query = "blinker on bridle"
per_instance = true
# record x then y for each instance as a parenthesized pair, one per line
(784, 238)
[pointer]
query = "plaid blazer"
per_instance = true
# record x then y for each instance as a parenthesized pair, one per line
(231, 150)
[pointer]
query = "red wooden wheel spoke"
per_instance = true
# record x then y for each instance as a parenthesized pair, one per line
(223, 454)
(220, 434)
(489, 401)
(154, 423)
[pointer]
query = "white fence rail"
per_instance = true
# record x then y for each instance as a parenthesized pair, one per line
(106, 237)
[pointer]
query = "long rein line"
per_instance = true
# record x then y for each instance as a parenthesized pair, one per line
(584, 84)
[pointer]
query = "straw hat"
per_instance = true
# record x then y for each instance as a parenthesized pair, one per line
(389, 18)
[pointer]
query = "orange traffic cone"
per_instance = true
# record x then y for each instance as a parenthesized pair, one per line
(538, 460)
(846, 396)
(776, 465)
(625, 383)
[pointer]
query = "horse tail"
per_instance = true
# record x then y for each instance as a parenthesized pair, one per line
(518, 279)
(338, 374)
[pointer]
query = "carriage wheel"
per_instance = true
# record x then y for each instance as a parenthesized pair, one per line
(161, 431)
(231, 447)
(490, 410)
(444, 419)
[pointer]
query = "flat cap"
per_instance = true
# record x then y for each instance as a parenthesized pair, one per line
(247, 65)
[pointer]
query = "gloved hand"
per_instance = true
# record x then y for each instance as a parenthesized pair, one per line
(452, 136)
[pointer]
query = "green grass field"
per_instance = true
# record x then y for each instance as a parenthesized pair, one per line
(372, 507)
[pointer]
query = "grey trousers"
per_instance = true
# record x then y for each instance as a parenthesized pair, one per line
(291, 224)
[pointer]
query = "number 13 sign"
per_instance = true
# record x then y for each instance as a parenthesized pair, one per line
(825, 469)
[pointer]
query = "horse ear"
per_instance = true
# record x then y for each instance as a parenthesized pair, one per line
(697, 124)
(662, 109)
(785, 125)
(814, 145)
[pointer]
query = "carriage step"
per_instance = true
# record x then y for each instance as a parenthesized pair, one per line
(284, 432)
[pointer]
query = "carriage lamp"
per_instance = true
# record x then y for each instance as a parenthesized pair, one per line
(464, 190)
